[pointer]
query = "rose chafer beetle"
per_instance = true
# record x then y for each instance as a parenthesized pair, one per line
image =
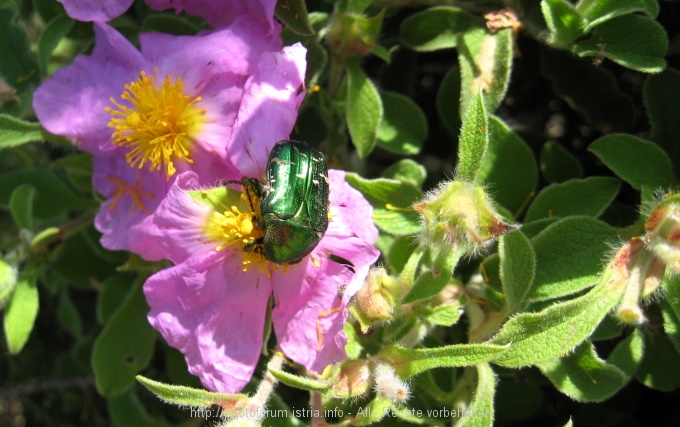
(293, 202)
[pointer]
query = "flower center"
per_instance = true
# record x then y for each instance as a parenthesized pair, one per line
(160, 124)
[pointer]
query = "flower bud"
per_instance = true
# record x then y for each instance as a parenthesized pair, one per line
(354, 35)
(663, 231)
(388, 385)
(376, 299)
(635, 268)
(459, 216)
(350, 379)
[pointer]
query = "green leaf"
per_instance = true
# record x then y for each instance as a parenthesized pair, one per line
(407, 171)
(517, 268)
(22, 309)
(21, 205)
(564, 21)
(589, 197)
(391, 201)
(628, 353)
(126, 410)
(293, 14)
(583, 376)
(8, 280)
(446, 314)
(357, 6)
(480, 411)
(596, 95)
(410, 362)
(399, 252)
(556, 330)
(403, 127)
(634, 160)
(633, 41)
(435, 28)
(14, 132)
(68, 314)
(55, 31)
(569, 254)
(558, 164)
(364, 109)
(485, 65)
(474, 141)
(661, 95)
(53, 195)
(78, 167)
(448, 100)
(509, 167)
(125, 345)
(187, 396)
(431, 281)
(297, 381)
(18, 67)
(660, 366)
(112, 294)
(596, 12)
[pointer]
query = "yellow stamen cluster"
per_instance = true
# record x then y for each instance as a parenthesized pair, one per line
(160, 124)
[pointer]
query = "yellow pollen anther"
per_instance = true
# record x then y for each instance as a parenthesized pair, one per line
(157, 122)
(135, 191)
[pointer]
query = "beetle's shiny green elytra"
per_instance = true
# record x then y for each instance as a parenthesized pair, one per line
(293, 202)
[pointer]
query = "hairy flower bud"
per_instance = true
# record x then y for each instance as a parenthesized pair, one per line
(377, 298)
(459, 216)
(354, 35)
(389, 385)
(663, 231)
(350, 379)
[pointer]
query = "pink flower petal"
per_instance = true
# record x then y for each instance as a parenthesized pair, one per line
(213, 313)
(95, 10)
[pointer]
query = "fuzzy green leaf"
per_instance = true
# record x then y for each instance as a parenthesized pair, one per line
(661, 95)
(431, 281)
(293, 14)
(22, 309)
(583, 376)
(556, 330)
(125, 345)
(634, 160)
(410, 362)
(633, 41)
(21, 205)
(589, 197)
(564, 21)
(557, 164)
(509, 167)
(364, 109)
(407, 171)
(628, 353)
(517, 268)
(480, 411)
(14, 132)
(474, 141)
(435, 28)
(596, 95)
(485, 64)
(448, 101)
(398, 219)
(596, 12)
(403, 127)
(187, 396)
(297, 381)
(660, 365)
(55, 31)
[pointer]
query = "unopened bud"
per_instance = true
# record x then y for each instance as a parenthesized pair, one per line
(389, 385)
(350, 379)
(459, 215)
(663, 231)
(635, 268)
(377, 298)
(354, 35)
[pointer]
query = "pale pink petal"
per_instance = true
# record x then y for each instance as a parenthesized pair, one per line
(95, 10)
(213, 313)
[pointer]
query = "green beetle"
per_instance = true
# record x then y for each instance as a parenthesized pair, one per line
(293, 202)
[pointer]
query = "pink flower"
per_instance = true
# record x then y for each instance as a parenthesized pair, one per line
(212, 304)
(217, 13)
(175, 106)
